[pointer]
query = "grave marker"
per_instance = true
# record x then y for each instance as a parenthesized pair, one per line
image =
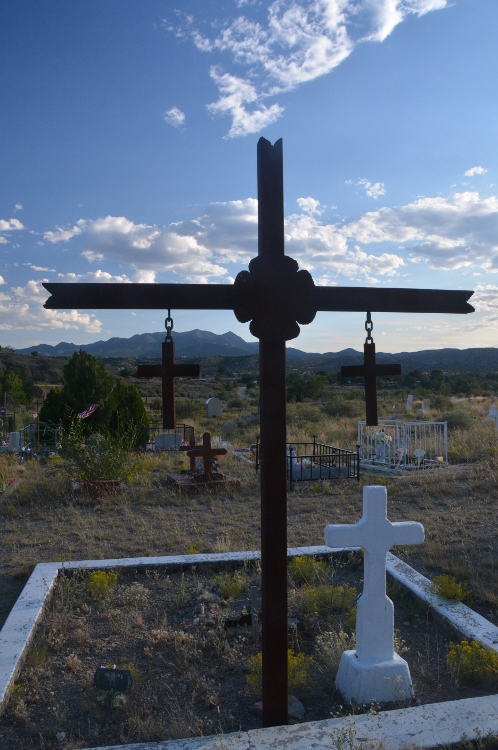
(370, 370)
(275, 296)
(374, 670)
(168, 370)
(207, 454)
(214, 407)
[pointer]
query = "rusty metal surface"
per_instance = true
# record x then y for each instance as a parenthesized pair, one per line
(168, 370)
(207, 453)
(140, 296)
(370, 370)
(234, 297)
(361, 299)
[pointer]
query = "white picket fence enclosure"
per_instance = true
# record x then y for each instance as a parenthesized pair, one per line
(406, 445)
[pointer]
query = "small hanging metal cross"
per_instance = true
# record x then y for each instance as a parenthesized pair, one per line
(370, 370)
(168, 370)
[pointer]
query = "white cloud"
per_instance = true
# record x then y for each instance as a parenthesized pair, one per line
(485, 298)
(10, 225)
(64, 235)
(324, 247)
(310, 206)
(150, 249)
(235, 94)
(372, 189)
(23, 309)
(459, 231)
(475, 170)
(18, 207)
(300, 41)
(39, 268)
(2, 280)
(174, 117)
(448, 233)
(92, 277)
(3, 240)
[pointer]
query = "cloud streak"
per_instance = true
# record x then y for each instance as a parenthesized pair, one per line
(297, 42)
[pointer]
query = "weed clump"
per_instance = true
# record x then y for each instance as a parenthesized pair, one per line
(471, 663)
(298, 668)
(100, 583)
(304, 569)
(311, 599)
(449, 588)
(229, 586)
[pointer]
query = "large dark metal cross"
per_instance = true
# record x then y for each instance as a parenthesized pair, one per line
(275, 296)
(168, 370)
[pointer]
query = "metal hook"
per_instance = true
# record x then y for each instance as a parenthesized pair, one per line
(169, 326)
(369, 328)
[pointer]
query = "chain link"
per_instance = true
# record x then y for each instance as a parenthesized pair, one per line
(169, 326)
(369, 328)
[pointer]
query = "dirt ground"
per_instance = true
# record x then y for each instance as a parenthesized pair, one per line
(45, 520)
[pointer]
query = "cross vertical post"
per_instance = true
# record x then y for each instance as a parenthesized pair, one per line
(273, 458)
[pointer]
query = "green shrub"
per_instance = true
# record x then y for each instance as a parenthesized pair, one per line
(310, 599)
(229, 586)
(100, 583)
(304, 569)
(298, 667)
(449, 588)
(457, 420)
(471, 662)
(351, 621)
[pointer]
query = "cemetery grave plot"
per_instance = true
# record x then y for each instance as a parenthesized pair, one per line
(314, 461)
(188, 652)
(407, 446)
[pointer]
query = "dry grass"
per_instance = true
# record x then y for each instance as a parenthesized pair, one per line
(44, 520)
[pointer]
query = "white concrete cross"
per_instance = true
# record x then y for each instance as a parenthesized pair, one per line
(375, 534)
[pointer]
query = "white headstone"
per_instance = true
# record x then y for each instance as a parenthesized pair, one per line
(422, 407)
(13, 441)
(492, 412)
(214, 407)
(168, 441)
(453, 400)
(409, 403)
(374, 670)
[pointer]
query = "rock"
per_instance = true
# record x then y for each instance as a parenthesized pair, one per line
(295, 708)
(60, 736)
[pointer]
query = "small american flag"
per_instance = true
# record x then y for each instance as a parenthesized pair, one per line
(89, 410)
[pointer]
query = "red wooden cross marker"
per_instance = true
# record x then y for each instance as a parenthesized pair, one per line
(168, 370)
(207, 453)
(190, 447)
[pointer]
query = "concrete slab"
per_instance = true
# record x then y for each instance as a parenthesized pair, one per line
(430, 726)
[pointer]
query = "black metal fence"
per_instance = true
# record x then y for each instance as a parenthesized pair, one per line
(150, 432)
(313, 461)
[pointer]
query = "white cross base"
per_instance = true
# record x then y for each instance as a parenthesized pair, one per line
(374, 670)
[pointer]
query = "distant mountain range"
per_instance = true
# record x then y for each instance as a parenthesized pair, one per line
(195, 344)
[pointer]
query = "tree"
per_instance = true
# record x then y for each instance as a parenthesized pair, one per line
(12, 385)
(86, 382)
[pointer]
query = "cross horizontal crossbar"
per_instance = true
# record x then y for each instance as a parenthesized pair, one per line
(223, 297)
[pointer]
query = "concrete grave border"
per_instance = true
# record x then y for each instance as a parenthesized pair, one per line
(424, 726)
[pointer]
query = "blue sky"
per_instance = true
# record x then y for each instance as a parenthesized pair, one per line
(128, 137)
